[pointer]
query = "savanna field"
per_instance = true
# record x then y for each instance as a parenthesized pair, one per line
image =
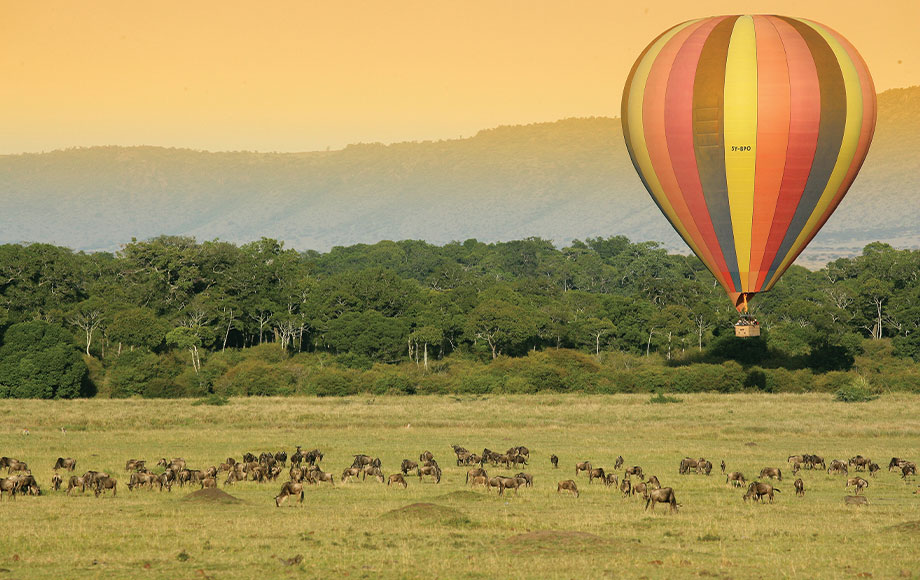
(360, 530)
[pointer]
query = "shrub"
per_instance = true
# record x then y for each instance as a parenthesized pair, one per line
(661, 399)
(857, 391)
(39, 360)
(394, 384)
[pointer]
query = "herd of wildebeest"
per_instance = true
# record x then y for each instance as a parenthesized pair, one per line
(303, 468)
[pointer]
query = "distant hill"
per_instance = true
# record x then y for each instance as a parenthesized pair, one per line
(563, 180)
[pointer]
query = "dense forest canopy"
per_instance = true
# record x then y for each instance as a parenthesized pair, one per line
(175, 299)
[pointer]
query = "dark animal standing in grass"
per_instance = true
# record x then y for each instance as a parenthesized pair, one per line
(8, 486)
(281, 457)
(618, 463)
(17, 466)
(704, 467)
(510, 483)
(796, 468)
(723, 467)
(686, 464)
(209, 482)
(758, 490)
(857, 482)
(736, 478)
(567, 485)
(799, 487)
(320, 476)
(873, 469)
(432, 470)
(397, 479)
(56, 481)
(583, 466)
(663, 495)
(895, 463)
(908, 469)
(68, 463)
(350, 472)
(772, 473)
(838, 467)
(289, 488)
(859, 462)
(596, 473)
(74, 483)
(479, 480)
(311, 457)
(407, 466)
(555, 461)
(634, 470)
(640, 488)
(103, 484)
(475, 472)
(653, 482)
(425, 456)
(528, 479)
(626, 486)
(611, 479)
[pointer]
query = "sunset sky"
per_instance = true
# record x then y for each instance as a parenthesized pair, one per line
(302, 76)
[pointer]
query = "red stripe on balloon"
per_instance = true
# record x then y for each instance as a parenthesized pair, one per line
(678, 122)
(773, 114)
(653, 122)
(804, 120)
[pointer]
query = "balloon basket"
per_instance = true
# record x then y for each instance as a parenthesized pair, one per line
(747, 327)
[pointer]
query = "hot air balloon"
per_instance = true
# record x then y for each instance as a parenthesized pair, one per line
(747, 132)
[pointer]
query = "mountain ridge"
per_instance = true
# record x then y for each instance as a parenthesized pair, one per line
(558, 180)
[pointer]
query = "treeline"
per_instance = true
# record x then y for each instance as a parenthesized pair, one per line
(173, 317)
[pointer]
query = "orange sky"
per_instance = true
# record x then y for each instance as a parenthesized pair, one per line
(305, 75)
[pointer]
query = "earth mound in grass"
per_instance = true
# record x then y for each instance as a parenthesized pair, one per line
(463, 495)
(429, 513)
(212, 495)
(912, 527)
(556, 541)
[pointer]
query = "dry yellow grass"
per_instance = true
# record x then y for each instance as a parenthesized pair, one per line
(357, 529)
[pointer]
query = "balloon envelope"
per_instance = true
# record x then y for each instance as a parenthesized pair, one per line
(747, 132)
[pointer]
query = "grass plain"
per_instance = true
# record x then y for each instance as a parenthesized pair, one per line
(360, 530)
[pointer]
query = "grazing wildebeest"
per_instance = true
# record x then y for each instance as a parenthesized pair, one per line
(475, 472)
(758, 490)
(618, 463)
(611, 479)
(640, 488)
(796, 459)
(74, 483)
(596, 473)
(653, 482)
(663, 495)
(857, 482)
(209, 482)
(432, 470)
(361, 460)
(528, 479)
(859, 462)
(289, 488)
(104, 484)
(281, 457)
(297, 456)
(247, 458)
(813, 461)
(510, 483)
(68, 463)
(583, 466)
(634, 470)
(772, 473)
(16, 465)
(736, 478)
(407, 466)
(320, 476)
(482, 480)
(425, 456)
(350, 472)
(796, 467)
(8, 486)
(799, 487)
(139, 479)
(312, 456)
(837, 467)
(855, 500)
(895, 463)
(909, 468)
(373, 472)
(56, 481)
(496, 482)
(723, 467)
(554, 460)
(704, 467)
(686, 464)
(567, 485)
(397, 479)
(873, 469)
(626, 485)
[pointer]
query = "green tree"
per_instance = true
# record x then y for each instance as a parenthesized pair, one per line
(504, 326)
(39, 360)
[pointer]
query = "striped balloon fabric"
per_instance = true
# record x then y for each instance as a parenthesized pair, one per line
(747, 131)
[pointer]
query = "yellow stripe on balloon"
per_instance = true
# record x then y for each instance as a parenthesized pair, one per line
(850, 143)
(637, 133)
(740, 131)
